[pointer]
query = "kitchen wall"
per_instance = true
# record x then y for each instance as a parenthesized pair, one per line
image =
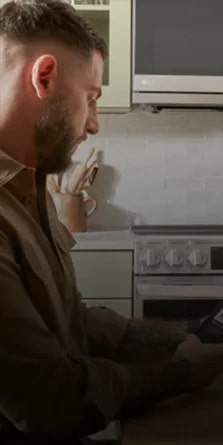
(158, 168)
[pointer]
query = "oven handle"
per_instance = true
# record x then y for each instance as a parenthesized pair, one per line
(147, 291)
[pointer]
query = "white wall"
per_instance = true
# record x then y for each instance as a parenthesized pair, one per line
(158, 168)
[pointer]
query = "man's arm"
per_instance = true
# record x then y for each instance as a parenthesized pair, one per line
(105, 330)
(150, 340)
(130, 340)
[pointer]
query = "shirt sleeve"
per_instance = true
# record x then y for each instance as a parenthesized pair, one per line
(105, 330)
(42, 388)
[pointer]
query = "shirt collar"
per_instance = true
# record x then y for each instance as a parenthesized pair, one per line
(9, 168)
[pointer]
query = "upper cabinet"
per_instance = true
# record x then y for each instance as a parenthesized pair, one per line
(112, 18)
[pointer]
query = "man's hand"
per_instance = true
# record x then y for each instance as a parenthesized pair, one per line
(205, 361)
(194, 366)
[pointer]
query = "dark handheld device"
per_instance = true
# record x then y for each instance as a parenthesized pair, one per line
(211, 329)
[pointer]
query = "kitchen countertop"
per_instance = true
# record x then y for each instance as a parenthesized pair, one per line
(187, 420)
(105, 240)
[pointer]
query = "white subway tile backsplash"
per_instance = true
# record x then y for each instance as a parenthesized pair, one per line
(214, 184)
(214, 200)
(214, 217)
(205, 119)
(158, 168)
(212, 166)
(196, 184)
(194, 198)
(175, 197)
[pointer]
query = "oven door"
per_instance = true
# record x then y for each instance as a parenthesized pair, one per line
(176, 298)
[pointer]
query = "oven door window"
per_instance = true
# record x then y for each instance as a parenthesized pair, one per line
(178, 309)
(172, 299)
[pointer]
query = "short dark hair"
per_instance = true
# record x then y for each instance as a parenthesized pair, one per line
(32, 20)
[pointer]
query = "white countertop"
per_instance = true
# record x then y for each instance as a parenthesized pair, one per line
(104, 240)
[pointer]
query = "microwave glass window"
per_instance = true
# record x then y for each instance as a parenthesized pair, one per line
(182, 37)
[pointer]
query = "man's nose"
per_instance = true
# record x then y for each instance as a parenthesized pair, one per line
(93, 125)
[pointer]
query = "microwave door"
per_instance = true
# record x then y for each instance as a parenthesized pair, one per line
(177, 47)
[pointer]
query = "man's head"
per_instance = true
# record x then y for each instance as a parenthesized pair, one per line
(51, 68)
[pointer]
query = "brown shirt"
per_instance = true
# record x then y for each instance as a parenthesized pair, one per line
(49, 379)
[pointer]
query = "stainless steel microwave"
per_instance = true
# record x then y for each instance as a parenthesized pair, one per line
(178, 52)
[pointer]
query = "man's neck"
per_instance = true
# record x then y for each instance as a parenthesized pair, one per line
(17, 148)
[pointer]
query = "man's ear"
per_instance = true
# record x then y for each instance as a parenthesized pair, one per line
(43, 76)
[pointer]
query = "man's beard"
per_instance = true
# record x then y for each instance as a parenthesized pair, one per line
(54, 138)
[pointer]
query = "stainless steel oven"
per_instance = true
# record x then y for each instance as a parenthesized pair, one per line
(178, 271)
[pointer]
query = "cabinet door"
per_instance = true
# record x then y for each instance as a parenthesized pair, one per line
(122, 307)
(112, 18)
(103, 274)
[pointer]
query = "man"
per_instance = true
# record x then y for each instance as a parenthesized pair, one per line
(64, 368)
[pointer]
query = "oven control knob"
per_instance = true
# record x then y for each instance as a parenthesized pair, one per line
(152, 258)
(174, 258)
(197, 258)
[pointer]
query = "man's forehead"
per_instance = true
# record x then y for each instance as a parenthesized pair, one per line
(95, 69)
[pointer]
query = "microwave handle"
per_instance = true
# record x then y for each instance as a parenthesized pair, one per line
(177, 292)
